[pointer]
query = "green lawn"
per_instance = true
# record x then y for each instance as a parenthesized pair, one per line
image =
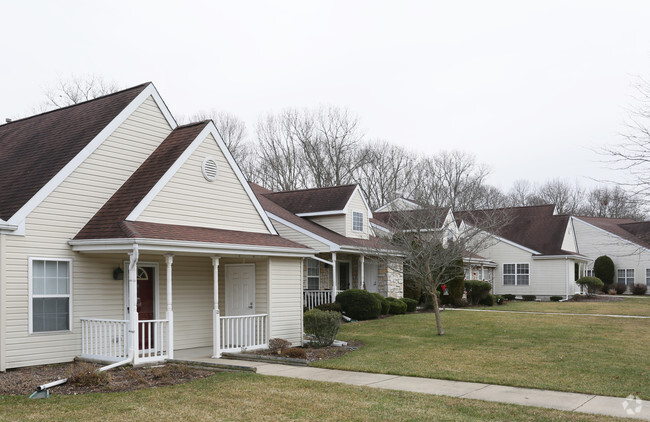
(246, 397)
(597, 355)
(628, 306)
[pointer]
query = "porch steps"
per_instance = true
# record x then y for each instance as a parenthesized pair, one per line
(263, 358)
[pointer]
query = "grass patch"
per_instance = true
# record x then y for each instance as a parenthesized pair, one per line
(627, 306)
(606, 356)
(236, 396)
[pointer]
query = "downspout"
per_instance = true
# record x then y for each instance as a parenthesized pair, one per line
(566, 260)
(133, 304)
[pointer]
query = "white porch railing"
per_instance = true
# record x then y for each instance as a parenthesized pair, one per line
(153, 335)
(247, 332)
(313, 298)
(107, 340)
(104, 339)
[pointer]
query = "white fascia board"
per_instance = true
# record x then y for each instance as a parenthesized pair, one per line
(8, 227)
(157, 245)
(319, 213)
(334, 247)
(382, 228)
(574, 257)
(484, 262)
(210, 128)
(72, 165)
(607, 232)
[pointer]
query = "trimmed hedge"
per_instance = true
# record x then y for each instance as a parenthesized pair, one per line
(621, 288)
(529, 298)
(604, 269)
(384, 303)
(322, 325)
(477, 290)
(487, 300)
(359, 304)
(590, 284)
(334, 306)
(508, 296)
(498, 299)
(411, 304)
(556, 298)
(397, 307)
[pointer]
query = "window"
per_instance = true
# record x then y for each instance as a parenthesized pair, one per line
(516, 274)
(647, 277)
(589, 273)
(357, 221)
(313, 274)
(625, 276)
(50, 295)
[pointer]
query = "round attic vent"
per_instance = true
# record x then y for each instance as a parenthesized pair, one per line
(209, 169)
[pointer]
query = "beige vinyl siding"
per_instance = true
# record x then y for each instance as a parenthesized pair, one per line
(356, 204)
(55, 221)
(569, 242)
(286, 299)
(3, 307)
(594, 242)
(336, 223)
(291, 234)
(189, 199)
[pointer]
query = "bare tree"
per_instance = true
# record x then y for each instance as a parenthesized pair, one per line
(386, 173)
(611, 202)
(432, 247)
(77, 89)
(567, 198)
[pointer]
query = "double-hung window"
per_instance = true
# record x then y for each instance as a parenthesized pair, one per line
(516, 274)
(313, 274)
(625, 276)
(589, 273)
(357, 221)
(49, 294)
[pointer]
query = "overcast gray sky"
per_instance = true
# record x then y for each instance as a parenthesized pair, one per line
(529, 87)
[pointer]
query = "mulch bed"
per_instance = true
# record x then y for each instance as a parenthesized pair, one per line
(315, 354)
(82, 378)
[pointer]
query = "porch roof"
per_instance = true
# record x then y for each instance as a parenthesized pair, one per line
(171, 237)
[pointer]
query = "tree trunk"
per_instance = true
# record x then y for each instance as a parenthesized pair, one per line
(436, 309)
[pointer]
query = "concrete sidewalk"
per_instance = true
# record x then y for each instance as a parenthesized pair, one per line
(586, 403)
(548, 313)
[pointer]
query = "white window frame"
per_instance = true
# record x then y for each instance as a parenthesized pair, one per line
(32, 296)
(517, 274)
(589, 273)
(313, 261)
(626, 276)
(357, 215)
(647, 277)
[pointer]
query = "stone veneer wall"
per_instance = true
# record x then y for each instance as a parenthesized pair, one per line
(390, 280)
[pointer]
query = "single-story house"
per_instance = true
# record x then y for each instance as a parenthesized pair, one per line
(125, 237)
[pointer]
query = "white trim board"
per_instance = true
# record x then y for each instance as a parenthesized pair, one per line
(210, 128)
(333, 246)
(45, 191)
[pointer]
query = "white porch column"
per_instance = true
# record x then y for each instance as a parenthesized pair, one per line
(334, 277)
(362, 273)
(133, 304)
(216, 315)
(169, 260)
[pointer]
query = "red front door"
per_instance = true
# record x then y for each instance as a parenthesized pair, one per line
(145, 301)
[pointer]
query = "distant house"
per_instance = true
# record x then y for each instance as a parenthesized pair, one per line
(334, 221)
(125, 237)
(625, 241)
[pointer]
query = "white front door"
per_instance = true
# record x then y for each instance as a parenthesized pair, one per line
(370, 273)
(240, 289)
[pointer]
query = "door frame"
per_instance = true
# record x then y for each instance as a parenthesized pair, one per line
(156, 289)
(365, 273)
(225, 290)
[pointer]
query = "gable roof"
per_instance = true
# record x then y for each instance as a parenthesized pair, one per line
(535, 227)
(316, 200)
(267, 199)
(426, 215)
(106, 223)
(625, 228)
(34, 149)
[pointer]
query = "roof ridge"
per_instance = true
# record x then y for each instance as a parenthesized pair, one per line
(187, 125)
(509, 208)
(75, 105)
(308, 189)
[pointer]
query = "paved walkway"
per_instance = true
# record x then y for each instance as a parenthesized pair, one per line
(586, 403)
(548, 313)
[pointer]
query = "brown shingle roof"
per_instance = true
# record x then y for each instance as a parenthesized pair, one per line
(145, 230)
(106, 222)
(33, 150)
(267, 200)
(427, 215)
(628, 229)
(313, 200)
(533, 227)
